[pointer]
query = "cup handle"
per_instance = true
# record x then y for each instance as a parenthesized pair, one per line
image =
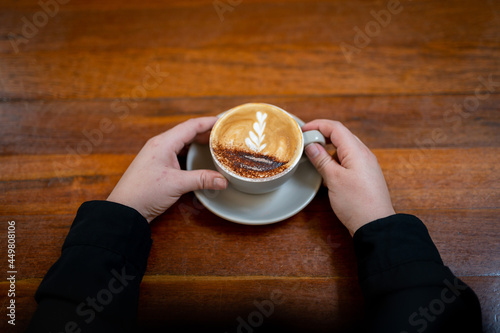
(313, 136)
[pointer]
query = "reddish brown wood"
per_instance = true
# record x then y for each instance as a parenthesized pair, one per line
(415, 95)
(217, 302)
(261, 48)
(59, 127)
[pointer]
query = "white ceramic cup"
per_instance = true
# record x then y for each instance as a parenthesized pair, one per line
(268, 184)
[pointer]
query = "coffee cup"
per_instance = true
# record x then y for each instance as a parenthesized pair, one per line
(259, 146)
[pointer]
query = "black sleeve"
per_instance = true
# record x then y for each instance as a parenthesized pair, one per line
(94, 285)
(405, 284)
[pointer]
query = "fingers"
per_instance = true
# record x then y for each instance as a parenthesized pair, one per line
(321, 160)
(186, 132)
(340, 136)
(202, 180)
(202, 138)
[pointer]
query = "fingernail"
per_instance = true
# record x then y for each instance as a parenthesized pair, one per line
(312, 150)
(220, 183)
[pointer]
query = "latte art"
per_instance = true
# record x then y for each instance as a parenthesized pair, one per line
(256, 140)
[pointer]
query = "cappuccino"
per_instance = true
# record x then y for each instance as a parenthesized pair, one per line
(256, 141)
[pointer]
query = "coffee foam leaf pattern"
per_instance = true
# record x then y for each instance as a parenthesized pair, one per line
(254, 141)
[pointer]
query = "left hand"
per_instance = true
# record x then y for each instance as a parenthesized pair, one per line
(154, 181)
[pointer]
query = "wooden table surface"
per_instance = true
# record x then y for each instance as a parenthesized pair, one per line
(83, 85)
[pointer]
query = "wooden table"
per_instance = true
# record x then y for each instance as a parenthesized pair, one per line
(83, 85)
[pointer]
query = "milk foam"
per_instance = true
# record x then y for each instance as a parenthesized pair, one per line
(256, 140)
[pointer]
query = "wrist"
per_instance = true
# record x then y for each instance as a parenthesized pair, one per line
(113, 197)
(373, 215)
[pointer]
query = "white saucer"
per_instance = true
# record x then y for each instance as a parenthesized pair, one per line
(256, 209)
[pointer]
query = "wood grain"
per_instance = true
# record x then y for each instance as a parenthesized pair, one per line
(96, 127)
(214, 304)
(458, 205)
(82, 95)
(431, 178)
(261, 49)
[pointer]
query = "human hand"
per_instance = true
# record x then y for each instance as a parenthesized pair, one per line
(154, 181)
(356, 186)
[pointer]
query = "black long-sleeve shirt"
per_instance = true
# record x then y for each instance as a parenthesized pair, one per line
(94, 285)
(405, 284)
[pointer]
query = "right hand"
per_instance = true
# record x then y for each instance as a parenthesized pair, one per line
(154, 180)
(356, 186)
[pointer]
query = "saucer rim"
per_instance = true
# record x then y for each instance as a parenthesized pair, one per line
(206, 201)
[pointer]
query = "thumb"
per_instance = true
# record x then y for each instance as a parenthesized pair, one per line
(203, 180)
(321, 160)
